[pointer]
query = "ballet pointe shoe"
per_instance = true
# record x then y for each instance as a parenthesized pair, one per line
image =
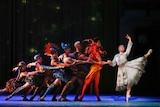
(31, 99)
(127, 97)
(25, 99)
(79, 99)
(54, 99)
(148, 53)
(99, 99)
(41, 99)
(8, 98)
(59, 99)
(64, 99)
(75, 99)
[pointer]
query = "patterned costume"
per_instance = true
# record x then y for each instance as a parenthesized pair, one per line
(60, 73)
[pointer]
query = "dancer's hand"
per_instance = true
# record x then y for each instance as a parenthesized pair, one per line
(47, 54)
(106, 62)
(61, 66)
(109, 61)
(31, 64)
(90, 61)
(128, 37)
(15, 69)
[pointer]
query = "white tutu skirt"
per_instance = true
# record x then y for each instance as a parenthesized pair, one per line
(130, 73)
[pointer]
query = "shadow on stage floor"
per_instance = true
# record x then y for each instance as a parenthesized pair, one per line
(88, 101)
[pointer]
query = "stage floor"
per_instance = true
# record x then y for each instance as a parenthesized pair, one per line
(88, 101)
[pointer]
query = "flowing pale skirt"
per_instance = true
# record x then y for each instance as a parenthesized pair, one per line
(130, 73)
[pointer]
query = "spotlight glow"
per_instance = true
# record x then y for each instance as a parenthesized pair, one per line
(32, 50)
(24, 1)
(58, 7)
(93, 18)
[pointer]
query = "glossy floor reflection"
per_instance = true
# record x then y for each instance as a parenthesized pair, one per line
(88, 101)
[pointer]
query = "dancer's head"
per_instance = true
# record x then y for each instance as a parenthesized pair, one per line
(54, 52)
(97, 41)
(77, 45)
(38, 58)
(121, 48)
(84, 45)
(22, 65)
(51, 48)
(66, 47)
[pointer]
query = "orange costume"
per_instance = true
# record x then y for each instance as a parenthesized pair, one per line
(94, 73)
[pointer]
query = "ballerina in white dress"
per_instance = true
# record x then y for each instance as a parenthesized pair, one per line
(129, 72)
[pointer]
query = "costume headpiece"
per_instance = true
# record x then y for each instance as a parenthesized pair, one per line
(51, 48)
(37, 56)
(21, 63)
(65, 45)
(77, 42)
(96, 39)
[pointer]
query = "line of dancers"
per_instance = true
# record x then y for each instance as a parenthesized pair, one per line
(74, 71)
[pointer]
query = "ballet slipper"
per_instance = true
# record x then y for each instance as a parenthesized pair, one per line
(64, 99)
(8, 98)
(79, 99)
(148, 53)
(59, 99)
(127, 97)
(41, 98)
